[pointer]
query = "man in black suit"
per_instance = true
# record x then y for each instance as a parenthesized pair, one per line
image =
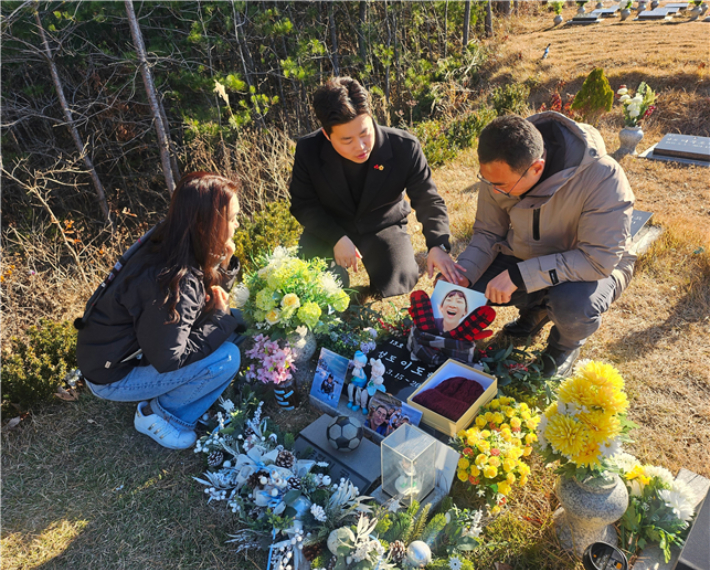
(347, 191)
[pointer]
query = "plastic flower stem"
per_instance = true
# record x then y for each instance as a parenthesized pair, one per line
(271, 548)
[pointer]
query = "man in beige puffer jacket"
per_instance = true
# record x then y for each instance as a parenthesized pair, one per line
(551, 234)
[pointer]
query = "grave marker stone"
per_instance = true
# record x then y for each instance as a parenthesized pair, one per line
(606, 12)
(585, 19)
(696, 551)
(362, 465)
(686, 149)
(684, 146)
(677, 5)
(657, 14)
(638, 220)
(403, 375)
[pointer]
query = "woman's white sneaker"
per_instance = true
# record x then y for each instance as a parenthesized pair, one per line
(162, 431)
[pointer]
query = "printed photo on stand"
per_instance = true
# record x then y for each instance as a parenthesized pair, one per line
(451, 304)
(329, 377)
(386, 413)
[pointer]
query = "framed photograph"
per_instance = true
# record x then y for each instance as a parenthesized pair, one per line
(329, 378)
(451, 304)
(386, 413)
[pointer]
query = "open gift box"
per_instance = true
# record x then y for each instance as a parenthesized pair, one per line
(453, 369)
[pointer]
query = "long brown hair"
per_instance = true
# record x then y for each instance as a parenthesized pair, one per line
(195, 231)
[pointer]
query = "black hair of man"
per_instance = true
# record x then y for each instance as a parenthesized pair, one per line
(510, 139)
(339, 101)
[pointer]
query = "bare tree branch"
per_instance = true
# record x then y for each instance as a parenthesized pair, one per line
(34, 189)
(70, 123)
(161, 129)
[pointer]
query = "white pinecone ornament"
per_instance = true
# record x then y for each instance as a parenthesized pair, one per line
(215, 459)
(294, 483)
(285, 459)
(397, 551)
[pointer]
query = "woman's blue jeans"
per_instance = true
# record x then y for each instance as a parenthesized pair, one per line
(180, 396)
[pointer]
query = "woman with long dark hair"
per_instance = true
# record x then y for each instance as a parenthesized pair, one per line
(157, 335)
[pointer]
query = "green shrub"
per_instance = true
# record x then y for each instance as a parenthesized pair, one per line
(556, 6)
(272, 226)
(437, 148)
(510, 98)
(464, 131)
(441, 143)
(594, 98)
(33, 369)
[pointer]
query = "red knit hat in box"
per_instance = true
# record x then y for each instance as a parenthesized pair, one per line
(451, 398)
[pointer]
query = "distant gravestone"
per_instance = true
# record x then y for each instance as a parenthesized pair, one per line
(684, 146)
(606, 12)
(677, 5)
(585, 19)
(686, 149)
(657, 14)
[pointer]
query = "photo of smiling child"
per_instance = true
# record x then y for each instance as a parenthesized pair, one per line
(329, 378)
(451, 304)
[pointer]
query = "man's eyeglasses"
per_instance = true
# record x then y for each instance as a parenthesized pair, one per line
(499, 189)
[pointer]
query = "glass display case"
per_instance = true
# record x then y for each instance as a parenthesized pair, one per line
(408, 463)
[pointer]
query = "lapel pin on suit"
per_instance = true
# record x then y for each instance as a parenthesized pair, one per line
(379, 167)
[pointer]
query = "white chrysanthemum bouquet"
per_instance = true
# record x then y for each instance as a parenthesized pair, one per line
(287, 292)
(638, 107)
(660, 508)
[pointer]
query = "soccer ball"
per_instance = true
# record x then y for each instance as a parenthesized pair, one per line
(344, 433)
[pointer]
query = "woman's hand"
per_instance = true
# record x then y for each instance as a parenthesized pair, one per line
(221, 299)
(229, 248)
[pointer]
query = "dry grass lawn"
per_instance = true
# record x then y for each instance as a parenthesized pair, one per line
(82, 490)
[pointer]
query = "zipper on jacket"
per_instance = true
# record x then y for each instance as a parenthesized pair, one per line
(536, 224)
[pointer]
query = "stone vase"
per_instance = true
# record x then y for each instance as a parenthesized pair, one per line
(703, 8)
(642, 6)
(303, 343)
(654, 4)
(625, 13)
(599, 6)
(589, 509)
(695, 12)
(558, 19)
(629, 137)
(581, 11)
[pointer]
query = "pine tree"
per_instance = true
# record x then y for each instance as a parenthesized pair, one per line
(594, 98)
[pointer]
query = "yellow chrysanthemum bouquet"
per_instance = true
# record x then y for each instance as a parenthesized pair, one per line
(287, 292)
(587, 424)
(494, 449)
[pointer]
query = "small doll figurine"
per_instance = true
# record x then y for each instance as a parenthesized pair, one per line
(358, 381)
(408, 483)
(377, 380)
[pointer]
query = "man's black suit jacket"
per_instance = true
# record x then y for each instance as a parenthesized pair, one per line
(321, 199)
